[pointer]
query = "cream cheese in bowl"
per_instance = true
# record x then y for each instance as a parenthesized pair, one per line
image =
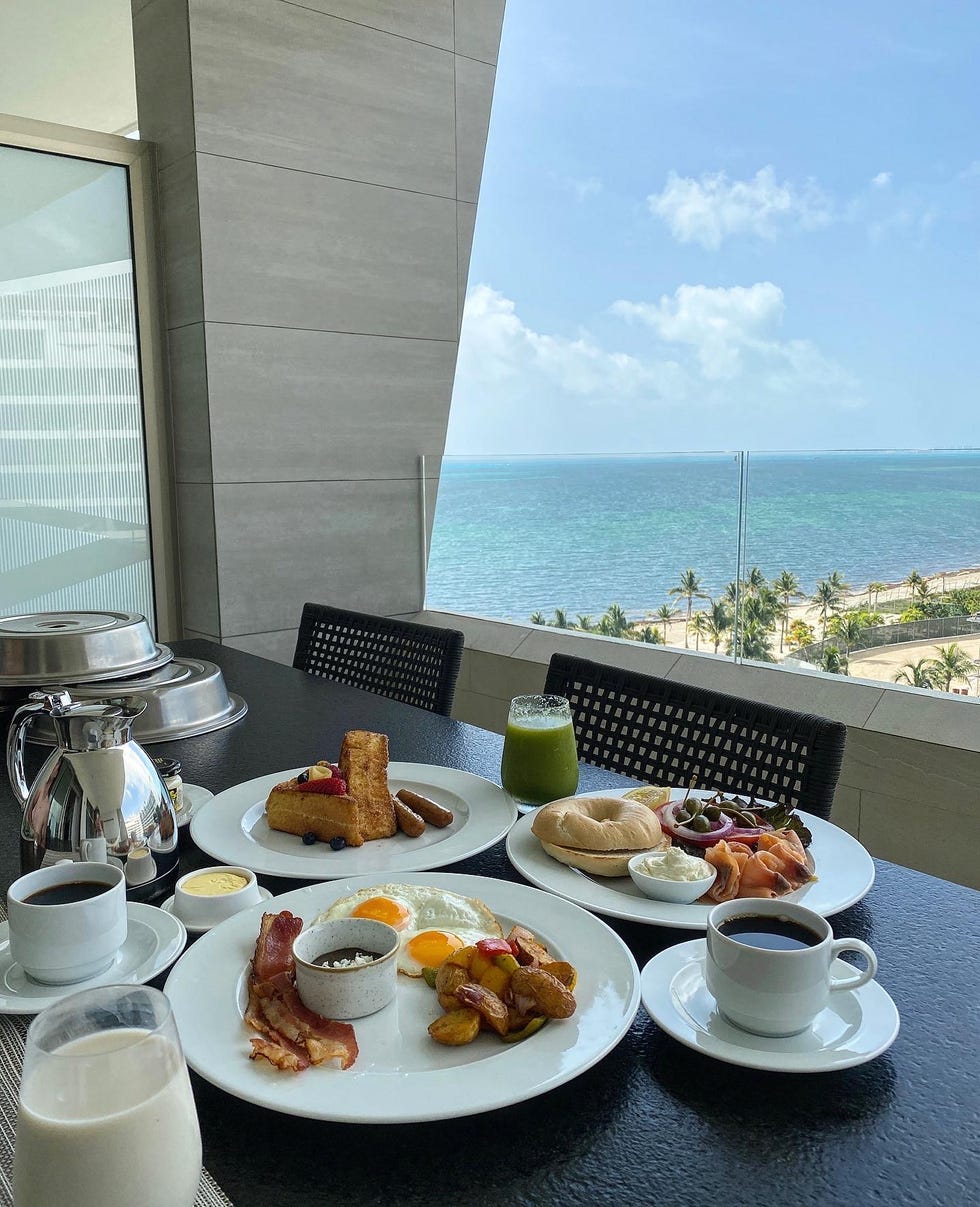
(671, 875)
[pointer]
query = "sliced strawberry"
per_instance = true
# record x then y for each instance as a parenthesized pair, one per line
(334, 786)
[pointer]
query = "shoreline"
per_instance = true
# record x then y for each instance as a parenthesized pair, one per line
(879, 663)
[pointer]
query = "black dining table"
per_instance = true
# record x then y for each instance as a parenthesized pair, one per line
(653, 1121)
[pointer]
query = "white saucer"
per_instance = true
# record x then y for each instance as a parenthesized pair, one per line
(857, 1025)
(154, 941)
(194, 797)
(168, 905)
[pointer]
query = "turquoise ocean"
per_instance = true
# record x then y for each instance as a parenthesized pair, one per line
(523, 534)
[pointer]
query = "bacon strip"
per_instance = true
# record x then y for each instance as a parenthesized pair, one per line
(281, 1055)
(295, 1036)
(274, 946)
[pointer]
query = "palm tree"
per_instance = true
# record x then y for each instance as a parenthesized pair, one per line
(665, 614)
(650, 635)
(827, 600)
(753, 642)
(915, 674)
(614, 622)
(717, 621)
(833, 661)
(699, 627)
(848, 628)
(538, 618)
(874, 587)
(688, 588)
(915, 582)
(837, 580)
(953, 663)
(788, 587)
(755, 582)
(585, 623)
(800, 634)
(561, 619)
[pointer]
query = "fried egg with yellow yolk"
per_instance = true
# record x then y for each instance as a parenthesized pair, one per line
(432, 923)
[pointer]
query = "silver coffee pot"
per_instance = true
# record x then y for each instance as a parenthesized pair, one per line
(98, 797)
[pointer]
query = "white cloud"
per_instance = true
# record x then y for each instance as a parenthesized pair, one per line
(711, 209)
(718, 324)
(704, 366)
(497, 346)
(881, 181)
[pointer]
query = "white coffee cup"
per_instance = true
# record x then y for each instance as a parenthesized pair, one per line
(772, 991)
(60, 944)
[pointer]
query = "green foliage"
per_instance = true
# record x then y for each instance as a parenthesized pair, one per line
(952, 663)
(915, 674)
(833, 661)
(966, 601)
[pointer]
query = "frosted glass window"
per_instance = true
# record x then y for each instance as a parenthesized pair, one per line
(74, 530)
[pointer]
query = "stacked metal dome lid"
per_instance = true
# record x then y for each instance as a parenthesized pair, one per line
(102, 655)
(47, 648)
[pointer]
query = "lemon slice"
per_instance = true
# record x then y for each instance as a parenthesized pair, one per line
(649, 795)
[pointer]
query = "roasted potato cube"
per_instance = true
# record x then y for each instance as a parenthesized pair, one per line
(458, 1027)
(492, 1009)
(462, 957)
(449, 977)
(563, 971)
(538, 992)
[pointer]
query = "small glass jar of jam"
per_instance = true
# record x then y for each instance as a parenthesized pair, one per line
(170, 774)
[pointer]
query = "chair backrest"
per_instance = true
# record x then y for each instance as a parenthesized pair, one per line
(664, 732)
(415, 663)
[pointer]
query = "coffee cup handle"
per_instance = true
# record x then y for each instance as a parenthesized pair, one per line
(862, 976)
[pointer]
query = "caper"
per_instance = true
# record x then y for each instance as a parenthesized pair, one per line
(700, 824)
(712, 812)
(682, 817)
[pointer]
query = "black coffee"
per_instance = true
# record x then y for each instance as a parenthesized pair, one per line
(65, 894)
(771, 934)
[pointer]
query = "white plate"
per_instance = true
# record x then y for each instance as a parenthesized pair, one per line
(401, 1075)
(168, 905)
(194, 798)
(857, 1025)
(844, 869)
(154, 941)
(233, 829)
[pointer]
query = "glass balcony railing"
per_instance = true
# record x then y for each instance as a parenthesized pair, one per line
(865, 563)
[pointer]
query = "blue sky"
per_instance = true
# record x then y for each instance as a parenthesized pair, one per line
(727, 225)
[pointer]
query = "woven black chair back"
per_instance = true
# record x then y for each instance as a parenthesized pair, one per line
(668, 733)
(415, 663)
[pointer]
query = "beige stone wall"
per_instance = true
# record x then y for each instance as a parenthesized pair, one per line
(911, 801)
(319, 170)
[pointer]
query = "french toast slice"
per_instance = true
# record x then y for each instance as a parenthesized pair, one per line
(363, 764)
(294, 808)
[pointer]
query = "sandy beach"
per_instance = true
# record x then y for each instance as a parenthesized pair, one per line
(881, 663)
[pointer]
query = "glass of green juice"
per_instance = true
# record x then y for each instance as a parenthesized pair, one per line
(540, 761)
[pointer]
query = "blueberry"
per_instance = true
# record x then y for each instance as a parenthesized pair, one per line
(338, 843)
(302, 777)
(309, 838)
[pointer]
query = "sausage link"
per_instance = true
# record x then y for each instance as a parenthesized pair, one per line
(434, 814)
(408, 820)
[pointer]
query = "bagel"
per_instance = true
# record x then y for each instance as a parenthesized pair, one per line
(599, 834)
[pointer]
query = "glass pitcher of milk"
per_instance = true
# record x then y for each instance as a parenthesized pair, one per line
(106, 1113)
